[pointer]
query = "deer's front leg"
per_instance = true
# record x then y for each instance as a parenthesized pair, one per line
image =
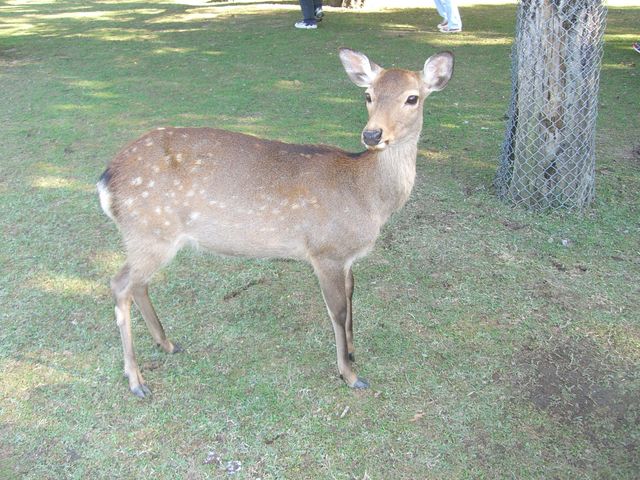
(349, 321)
(333, 277)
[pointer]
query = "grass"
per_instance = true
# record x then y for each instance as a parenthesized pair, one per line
(499, 343)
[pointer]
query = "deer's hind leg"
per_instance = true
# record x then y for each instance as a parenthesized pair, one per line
(121, 288)
(143, 302)
(129, 285)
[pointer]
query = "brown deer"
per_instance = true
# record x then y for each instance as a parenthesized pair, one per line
(239, 195)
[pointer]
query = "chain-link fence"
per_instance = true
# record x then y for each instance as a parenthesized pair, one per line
(548, 158)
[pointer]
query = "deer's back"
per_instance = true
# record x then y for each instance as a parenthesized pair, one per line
(241, 195)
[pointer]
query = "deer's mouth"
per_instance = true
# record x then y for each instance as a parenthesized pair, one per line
(378, 146)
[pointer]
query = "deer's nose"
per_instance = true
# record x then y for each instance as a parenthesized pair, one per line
(372, 137)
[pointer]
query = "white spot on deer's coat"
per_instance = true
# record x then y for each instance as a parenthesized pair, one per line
(156, 169)
(167, 223)
(144, 194)
(136, 181)
(128, 202)
(158, 210)
(178, 157)
(194, 216)
(148, 142)
(190, 193)
(295, 206)
(151, 183)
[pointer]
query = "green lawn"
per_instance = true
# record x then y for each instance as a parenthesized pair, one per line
(498, 343)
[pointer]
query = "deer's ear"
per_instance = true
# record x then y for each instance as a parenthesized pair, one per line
(359, 68)
(437, 71)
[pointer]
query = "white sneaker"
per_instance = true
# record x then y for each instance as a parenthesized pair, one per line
(306, 24)
(446, 29)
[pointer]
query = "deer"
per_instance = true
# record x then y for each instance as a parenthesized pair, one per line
(238, 195)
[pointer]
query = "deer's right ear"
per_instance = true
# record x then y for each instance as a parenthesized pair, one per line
(360, 69)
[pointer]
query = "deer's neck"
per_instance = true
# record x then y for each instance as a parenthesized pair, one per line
(395, 175)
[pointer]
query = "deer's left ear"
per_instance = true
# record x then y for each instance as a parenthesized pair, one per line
(437, 71)
(359, 68)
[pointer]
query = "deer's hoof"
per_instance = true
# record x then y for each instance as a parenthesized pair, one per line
(177, 348)
(141, 391)
(352, 356)
(360, 384)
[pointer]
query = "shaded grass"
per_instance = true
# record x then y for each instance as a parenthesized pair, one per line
(498, 343)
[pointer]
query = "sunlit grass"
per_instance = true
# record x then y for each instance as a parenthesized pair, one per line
(117, 34)
(59, 182)
(66, 285)
(466, 38)
(20, 377)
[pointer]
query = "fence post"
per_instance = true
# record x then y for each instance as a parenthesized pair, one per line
(548, 155)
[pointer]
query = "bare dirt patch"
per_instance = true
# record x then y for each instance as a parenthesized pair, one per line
(578, 383)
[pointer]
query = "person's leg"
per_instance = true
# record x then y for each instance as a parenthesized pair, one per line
(453, 15)
(440, 7)
(317, 10)
(308, 10)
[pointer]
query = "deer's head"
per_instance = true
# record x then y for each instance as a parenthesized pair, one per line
(395, 97)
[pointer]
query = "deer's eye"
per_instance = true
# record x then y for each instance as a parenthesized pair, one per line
(367, 97)
(412, 100)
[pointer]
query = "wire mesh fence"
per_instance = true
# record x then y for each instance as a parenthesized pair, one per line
(548, 155)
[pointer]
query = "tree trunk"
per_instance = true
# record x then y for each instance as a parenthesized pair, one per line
(548, 158)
